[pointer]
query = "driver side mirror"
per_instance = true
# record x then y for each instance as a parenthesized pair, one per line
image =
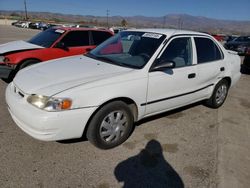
(162, 65)
(61, 45)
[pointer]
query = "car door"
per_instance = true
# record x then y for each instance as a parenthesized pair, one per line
(77, 42)
(210, 64)
(176, 86)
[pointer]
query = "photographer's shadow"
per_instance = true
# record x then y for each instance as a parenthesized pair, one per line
(148, 169)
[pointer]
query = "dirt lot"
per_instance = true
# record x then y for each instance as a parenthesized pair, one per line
(182, 148)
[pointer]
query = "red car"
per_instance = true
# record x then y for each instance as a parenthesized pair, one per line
(50, 44)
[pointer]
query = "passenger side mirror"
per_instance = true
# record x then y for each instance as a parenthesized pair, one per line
(61, 45)
(162, 65)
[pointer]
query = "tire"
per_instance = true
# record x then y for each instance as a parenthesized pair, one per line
(28, 63)
(111, 125)
(8, 80)
(219, 94)
(10, 77)
(23, 65)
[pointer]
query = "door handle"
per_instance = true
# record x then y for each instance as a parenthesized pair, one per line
(192, 75)
(222, 69)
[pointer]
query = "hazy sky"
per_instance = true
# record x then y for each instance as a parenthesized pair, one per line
(219, 9)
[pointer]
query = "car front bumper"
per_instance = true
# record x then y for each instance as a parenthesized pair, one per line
(43, 125)
(5, 71)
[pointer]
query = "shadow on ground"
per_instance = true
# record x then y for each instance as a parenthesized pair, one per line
(72, 141)
(148, 169)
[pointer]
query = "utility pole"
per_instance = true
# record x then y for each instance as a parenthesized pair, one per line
(25, 8)
(180, 23)
(107, 18)
(164, 21)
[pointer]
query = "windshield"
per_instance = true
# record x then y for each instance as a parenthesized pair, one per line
(46, 38)
(128, 48)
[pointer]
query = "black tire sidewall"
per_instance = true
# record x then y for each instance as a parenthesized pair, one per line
(95, 123)
(24, 64)
(27, 63)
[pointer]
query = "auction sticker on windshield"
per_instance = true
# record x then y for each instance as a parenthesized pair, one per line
(152, 35)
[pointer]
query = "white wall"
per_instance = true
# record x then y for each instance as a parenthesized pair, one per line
(6, 22)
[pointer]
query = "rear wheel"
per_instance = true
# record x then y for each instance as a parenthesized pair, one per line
(111, 125)
(219, 94)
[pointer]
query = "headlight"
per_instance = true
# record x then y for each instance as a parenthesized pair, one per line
(2, 58)
(51, 104)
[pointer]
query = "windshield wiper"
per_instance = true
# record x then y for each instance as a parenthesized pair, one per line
(129, 66)
(108, 60)
(101, 58)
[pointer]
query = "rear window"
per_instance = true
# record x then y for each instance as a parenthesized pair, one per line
(207, 50)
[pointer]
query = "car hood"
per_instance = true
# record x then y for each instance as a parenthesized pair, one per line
(16, 46)
(53, 77)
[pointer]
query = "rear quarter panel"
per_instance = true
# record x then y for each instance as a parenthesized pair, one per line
(234, 65)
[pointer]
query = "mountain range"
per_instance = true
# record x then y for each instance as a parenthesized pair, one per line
(181, 21)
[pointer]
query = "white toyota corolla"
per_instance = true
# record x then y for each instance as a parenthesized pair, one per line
(133, 75)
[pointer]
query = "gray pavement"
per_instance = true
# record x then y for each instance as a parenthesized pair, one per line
(189, 147)
(234, 137)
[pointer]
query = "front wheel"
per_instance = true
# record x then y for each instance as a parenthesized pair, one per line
(28, 62)
(111, 125)
(219, 94)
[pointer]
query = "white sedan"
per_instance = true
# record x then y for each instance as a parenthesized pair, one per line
(133, 75)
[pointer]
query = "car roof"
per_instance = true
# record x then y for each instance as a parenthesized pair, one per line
(80, 29)
(170, 32)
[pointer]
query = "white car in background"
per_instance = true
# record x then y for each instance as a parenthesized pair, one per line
(133, 75)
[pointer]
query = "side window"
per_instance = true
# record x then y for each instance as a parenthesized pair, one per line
(100, 36)
(76, 38)
(179, 51)
(207, 50)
